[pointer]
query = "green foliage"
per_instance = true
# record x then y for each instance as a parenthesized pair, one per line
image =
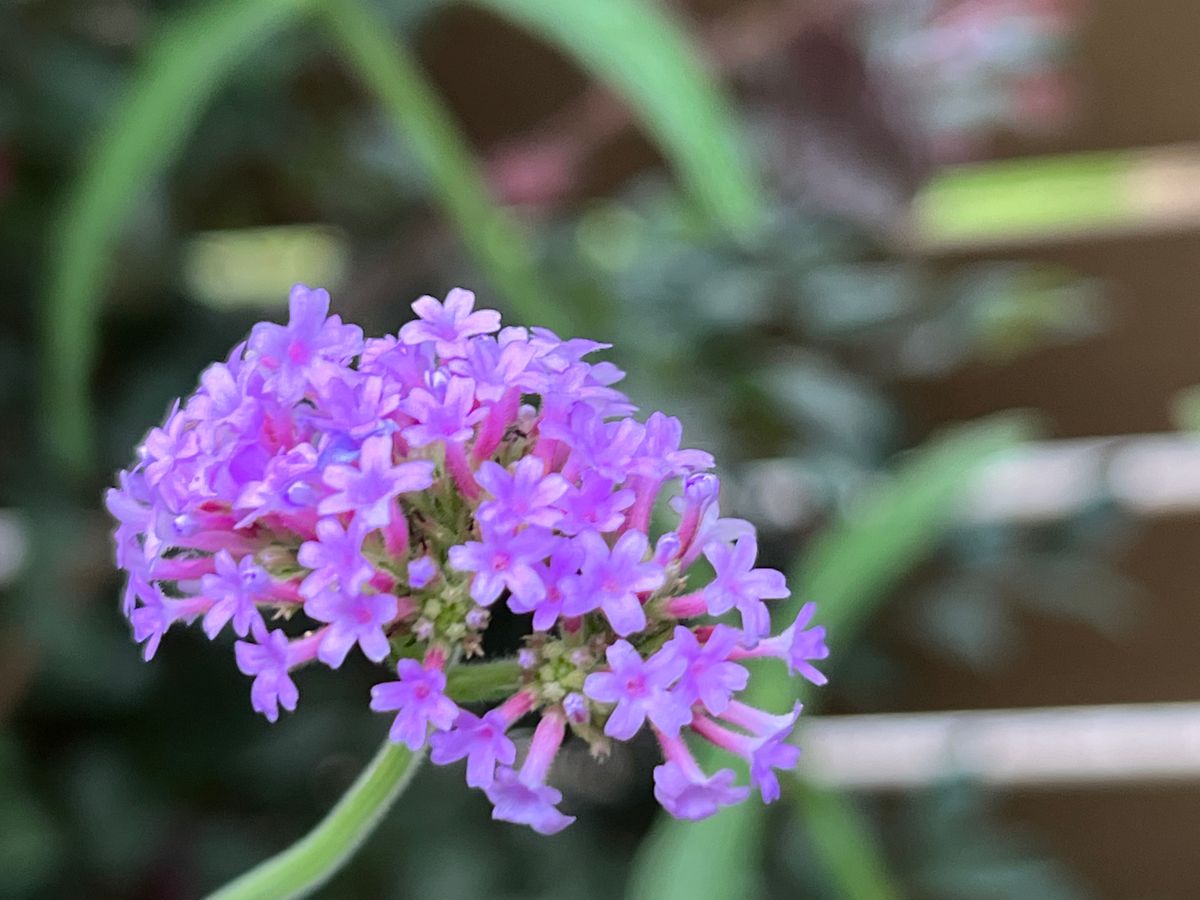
(29, 841)
(635, 48)
(474, 682)
(849, 570)
(694, 860)
(952, 846)
(405, 95)
(192, 58)
(253, 268)
(843, 842)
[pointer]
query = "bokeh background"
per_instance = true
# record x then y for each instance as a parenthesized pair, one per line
(921, 273)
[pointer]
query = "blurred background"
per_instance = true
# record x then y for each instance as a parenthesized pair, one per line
(919, 272)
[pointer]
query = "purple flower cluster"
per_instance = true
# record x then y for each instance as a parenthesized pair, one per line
(321, 492)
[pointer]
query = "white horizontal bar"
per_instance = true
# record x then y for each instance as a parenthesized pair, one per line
(1041, 481)
(1035, 748)
(1149, 474)
(14, 545)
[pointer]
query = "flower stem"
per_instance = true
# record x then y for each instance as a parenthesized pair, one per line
(313, 860)
(477, 682)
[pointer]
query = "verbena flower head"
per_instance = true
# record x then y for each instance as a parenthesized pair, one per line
(322, 495)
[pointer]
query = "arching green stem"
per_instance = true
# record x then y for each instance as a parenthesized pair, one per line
(313, 860)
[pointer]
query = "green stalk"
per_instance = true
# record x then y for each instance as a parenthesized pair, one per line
(313, 860)
(479, 682)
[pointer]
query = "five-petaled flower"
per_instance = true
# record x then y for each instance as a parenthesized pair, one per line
(641, 690)
(420, 701)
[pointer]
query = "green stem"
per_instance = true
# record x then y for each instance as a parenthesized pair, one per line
(478, 682)
(313, 860)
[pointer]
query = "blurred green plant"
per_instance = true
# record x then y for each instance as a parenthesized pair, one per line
(189, 62)
(952, 846)
(404, 93)
(844, 843)
(255, 267)
(639, 51)
(630, 44)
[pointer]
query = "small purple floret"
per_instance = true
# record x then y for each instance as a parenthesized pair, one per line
(336, 559)
(420, 699)
(523, 802)
(593, 505)
(353, 619)
(709, 677)
(695, 797)
(370, 488)
(449, 324)
(443, 413)
(611, 580)
(481, 740)
(806, 644)
(772, 753)
(561, 569)
(310, 337)
(738, 583)
(267, 661)
(501, 560)
(640, 690)
(234, 590)
(522, 497)
(421, 571)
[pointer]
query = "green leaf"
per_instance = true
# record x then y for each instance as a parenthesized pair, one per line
(848, 571)
(636, 49)
(693, 860)
(851, 567)
(184, 67)
(845, 845)
(390, 72)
